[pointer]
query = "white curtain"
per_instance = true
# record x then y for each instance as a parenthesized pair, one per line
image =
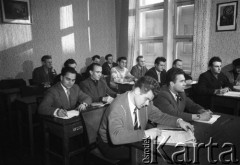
(132, 32)
(201, 37)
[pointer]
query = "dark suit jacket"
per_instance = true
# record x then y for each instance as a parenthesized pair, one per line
(152, 73)
(106, 70)
(207, 84)
(39, 76)
(96, 91)
(167, 103)
(117, 125)
(57, 98)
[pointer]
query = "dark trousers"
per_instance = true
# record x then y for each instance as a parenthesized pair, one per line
(116, 152)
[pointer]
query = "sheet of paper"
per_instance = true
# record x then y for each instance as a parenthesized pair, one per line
(70, 114)
(173, 137)
(98, 104)
(232, 94)
(211, 121)
(194, 82)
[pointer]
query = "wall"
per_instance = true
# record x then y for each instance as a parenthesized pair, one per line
(60, 28)
(224, 44)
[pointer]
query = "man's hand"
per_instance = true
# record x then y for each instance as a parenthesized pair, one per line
(206, 116)
(152, 133)
(82, 107)
(107, 99)
(221, 91)
(61, 113)
(185, 125)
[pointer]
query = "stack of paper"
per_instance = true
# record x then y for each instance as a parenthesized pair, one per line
(97, 104)
(70, 114)
(177, 137)
(232, 94)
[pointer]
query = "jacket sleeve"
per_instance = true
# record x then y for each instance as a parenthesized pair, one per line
(163, 103)
(134, 72)
(86, 89)
(36, 77)
(202, 86)
(83, 97)
(192, 107)
(157, 116)
(46, 107)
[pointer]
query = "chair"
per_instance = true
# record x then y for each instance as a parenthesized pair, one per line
(91, 121)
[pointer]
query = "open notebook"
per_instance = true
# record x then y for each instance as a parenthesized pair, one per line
(70, 114)
(180, 137)
(211, 121)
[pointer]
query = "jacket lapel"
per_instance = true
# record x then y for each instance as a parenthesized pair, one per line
(63, 97)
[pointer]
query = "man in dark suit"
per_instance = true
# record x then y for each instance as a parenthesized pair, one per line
(95, 59)
(177, 63)
(108, 65)
(96, 87)
(173, 101)
(212, 82)
(44, 75)
(139, 69)
(158, 72)
(63, 96)
(125, 120)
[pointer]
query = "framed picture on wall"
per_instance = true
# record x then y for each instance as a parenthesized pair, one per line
(16, 11)
(227, 16)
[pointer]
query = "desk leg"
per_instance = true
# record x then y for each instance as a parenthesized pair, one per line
(65, 149)
(46, 140)
(30, 127)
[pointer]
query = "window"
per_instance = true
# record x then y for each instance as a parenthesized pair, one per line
(183, 37)
(151, 17)
(165, 28)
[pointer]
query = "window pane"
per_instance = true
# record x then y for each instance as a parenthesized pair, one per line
(150, 51)
(185, 20)
(151, 23)
(149, 2)
(184, 52)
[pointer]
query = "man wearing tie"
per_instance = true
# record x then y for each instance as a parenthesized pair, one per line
(125, 120)
(158, 72)
(63, 96)
(173, 101)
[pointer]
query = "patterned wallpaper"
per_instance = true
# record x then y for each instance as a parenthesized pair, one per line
(61, 28)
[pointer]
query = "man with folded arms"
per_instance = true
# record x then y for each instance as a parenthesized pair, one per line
(96, 87)
(173, 101)
(125, 120)
(63, 96)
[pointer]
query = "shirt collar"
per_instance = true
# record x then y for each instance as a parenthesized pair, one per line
(131, 105)
(174, 95)
(64, 88)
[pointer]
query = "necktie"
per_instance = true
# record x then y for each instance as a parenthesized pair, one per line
(178, 98)
(136, 125)
(159, 77)
(68, 94)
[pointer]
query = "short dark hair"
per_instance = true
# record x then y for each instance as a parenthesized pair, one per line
(236, 62)
(46, 57)
(66, 70)
(172, 75)
(69, 62)
(95, 56)
(159, 59)
(214, 59)
(147, 83)
(91, 66)
(108, 55)
(175, 61)
(121, 58)
(137, 59)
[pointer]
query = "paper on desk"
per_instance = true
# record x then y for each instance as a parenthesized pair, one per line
(98, 104)
(173, 137)
(70, 114)
(131, 82)
(211, 121)
(232, 94)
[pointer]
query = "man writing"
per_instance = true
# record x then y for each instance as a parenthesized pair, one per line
(173, 101)
(63, 96)
(96, 87)
(126, 118)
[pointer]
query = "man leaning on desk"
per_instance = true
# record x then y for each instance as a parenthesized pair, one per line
(63, 96)
(173, 101)
(96, 87)
(125, 120)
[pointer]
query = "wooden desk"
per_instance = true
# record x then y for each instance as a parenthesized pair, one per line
(226, 102)
(10, 95)
(225, 130)
(27, 107)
